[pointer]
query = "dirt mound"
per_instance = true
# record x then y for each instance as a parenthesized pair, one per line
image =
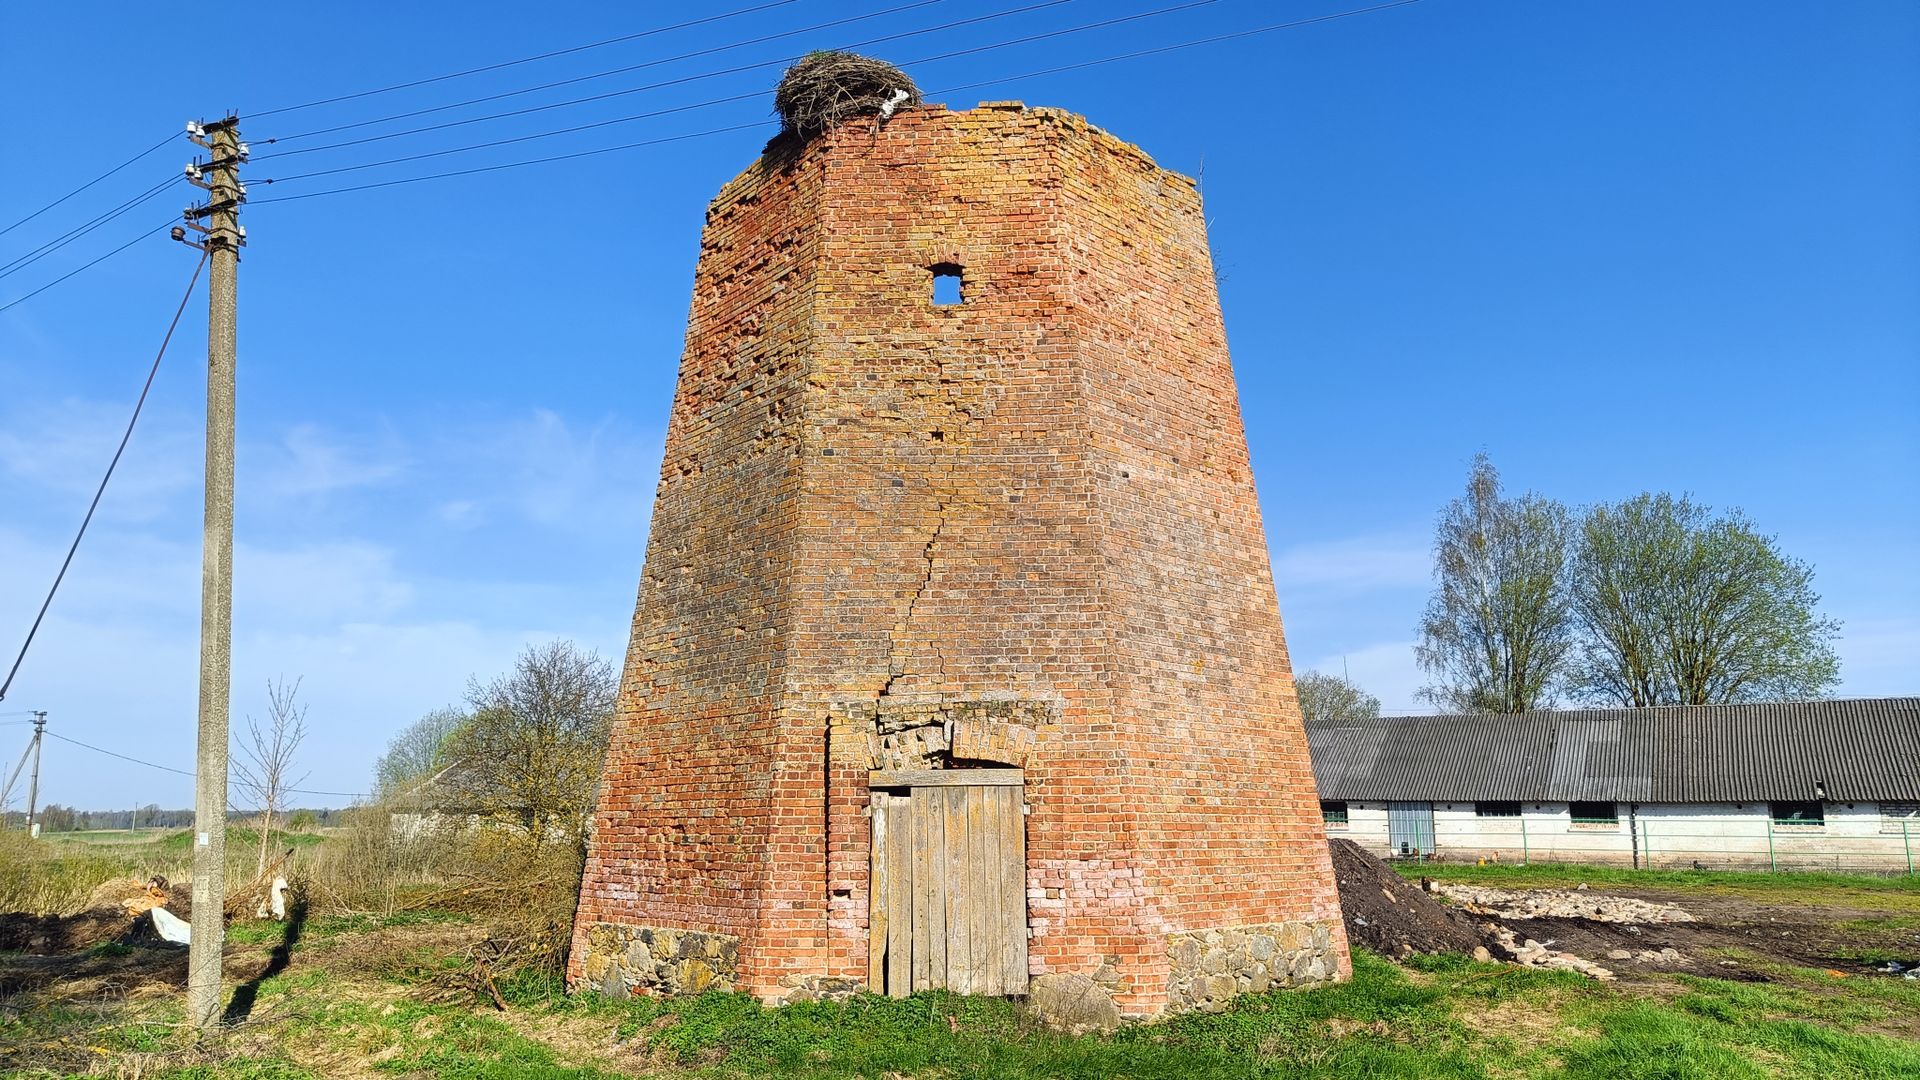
(116, 914)
(1393, 916)
(51, 935)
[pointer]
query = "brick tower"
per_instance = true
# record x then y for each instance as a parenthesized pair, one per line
(957, 659)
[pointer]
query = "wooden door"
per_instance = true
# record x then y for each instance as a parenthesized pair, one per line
(949, 884)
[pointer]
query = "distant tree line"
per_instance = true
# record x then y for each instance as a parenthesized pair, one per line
(57, 818)
(1655, 600)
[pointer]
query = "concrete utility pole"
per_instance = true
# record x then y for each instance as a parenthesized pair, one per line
(33, 784)
(223, 237)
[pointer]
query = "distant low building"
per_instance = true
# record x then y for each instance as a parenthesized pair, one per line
(1829, 785)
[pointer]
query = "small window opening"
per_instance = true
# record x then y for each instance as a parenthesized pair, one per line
(1797, 813)
(1496, 809)
(1594, 813)
(946, 284)
(1334, 813)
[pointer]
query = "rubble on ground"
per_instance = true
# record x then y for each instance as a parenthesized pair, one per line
(1527, 952)
(1559, 904)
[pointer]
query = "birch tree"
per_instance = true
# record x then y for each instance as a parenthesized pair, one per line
(1497, 633)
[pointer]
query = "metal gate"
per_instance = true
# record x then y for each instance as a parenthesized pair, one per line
(1410, 828)
(949, 884)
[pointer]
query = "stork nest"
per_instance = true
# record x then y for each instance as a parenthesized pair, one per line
(829, 88)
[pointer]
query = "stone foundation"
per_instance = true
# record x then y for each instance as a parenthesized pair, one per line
(819, 988)
(1209, 968)
(620, 961)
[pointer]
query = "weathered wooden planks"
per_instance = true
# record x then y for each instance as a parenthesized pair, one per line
(949, 886)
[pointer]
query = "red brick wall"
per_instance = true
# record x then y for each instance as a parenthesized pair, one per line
(1042, 493)
(1230, 832)
(690, 791)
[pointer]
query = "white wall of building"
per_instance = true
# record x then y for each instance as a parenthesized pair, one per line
(1854, 836)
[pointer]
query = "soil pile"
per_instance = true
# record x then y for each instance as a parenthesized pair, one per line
(116, 913)
(1395, 917)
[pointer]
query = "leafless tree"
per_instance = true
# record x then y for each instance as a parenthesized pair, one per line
(264, 769)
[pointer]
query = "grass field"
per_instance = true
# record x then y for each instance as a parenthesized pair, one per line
(368, 995)
(1894, 893)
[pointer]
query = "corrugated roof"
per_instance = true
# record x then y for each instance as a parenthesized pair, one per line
(1863, 749)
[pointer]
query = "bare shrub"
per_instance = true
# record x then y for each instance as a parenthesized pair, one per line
(380, 862)
(264, 771)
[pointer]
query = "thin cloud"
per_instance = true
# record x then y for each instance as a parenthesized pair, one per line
(1357, 563)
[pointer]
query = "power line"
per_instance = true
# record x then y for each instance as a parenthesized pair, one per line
(522, 138)
(185, 772)
(83, 267)
(125, 437)
(1215, 39)
(510, 164)
(76, 233)
(696, 105)
(88, 184)
(621, 71)
(525, 59)
(683, 80)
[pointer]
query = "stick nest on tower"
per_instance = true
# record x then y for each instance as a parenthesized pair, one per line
(828, 88)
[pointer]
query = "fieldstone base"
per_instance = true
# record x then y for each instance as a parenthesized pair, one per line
(622, 960)
(1074, 1004)
(819, 988)
(1211, 967)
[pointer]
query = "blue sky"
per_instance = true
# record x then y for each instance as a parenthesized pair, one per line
(1620, 247)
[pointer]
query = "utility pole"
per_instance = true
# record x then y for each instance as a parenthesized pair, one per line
(221, 240)
(33, 784)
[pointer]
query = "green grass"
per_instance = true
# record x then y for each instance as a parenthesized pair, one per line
(1893, 893)
(240, 838)
(402, 1004)
(1438, 1017)
(1387, 1022)
(49, 877)
(56, 873)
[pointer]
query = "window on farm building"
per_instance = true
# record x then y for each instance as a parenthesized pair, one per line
(1334, 813)
(1496, 809)
(1797, 813)
(1594, 813)
(946, 284)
